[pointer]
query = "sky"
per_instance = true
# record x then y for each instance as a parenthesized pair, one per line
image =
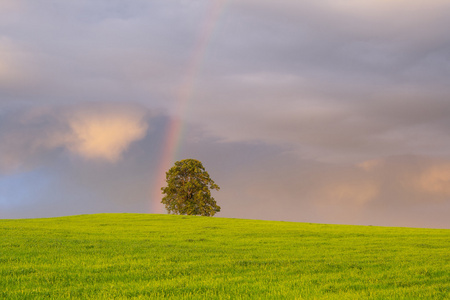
(330, 111)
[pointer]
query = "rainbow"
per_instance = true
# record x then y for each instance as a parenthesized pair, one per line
(174, 131)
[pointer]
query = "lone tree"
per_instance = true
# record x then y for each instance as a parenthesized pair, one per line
(188, 190)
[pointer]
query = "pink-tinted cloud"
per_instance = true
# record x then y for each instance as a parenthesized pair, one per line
(92, 131)
(435, 180)
(104, 135)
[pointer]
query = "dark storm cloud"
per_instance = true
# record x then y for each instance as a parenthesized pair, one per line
(321, 111)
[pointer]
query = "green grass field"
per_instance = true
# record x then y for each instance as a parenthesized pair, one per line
(119, 256)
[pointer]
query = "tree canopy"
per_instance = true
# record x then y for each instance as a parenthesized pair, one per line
(188, 190)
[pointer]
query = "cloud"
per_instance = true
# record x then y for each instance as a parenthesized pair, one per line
(370, 165)
(436, 180)
(340, 81)
(104, 134)
(337, 80)
(411, 179)
(8, 6)
(392, 190)
(356, 192)
(16, 66)
(92, 131)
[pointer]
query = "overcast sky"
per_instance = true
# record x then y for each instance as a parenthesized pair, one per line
(329, 111)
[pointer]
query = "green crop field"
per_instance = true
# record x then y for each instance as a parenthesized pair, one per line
(122, 256)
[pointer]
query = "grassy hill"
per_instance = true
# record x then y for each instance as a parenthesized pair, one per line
(118, 256)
